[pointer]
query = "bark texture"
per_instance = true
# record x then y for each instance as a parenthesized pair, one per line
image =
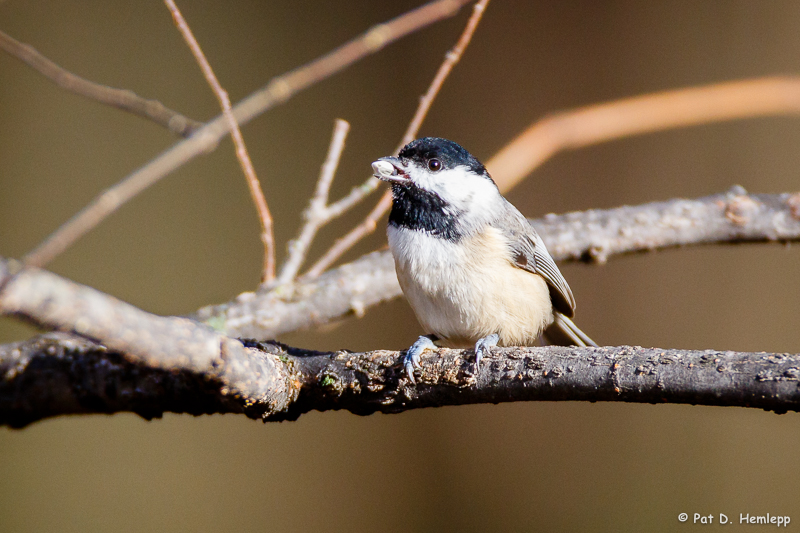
(58, 374)
(593, 236)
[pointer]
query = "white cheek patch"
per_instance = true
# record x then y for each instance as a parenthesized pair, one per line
(464, 190)
(450, 211)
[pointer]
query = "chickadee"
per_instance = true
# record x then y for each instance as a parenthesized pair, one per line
(474, 270)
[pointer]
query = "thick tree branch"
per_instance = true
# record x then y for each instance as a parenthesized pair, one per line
(364, 383)
(177, 364)
(169, 344)
(58, 374)
(593, 235)
(731, 217)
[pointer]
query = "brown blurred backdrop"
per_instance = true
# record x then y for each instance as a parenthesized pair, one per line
(193, 240)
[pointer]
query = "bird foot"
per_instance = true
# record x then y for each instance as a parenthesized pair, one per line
(411, 360)
(484, 347)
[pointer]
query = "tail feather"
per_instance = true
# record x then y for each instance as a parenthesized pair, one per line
(564, 332)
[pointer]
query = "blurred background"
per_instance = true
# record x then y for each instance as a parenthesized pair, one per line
(193, 240)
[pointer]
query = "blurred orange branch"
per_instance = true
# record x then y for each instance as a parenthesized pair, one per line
(663, 110)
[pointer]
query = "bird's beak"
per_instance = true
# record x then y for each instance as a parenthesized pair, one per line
(390, 169)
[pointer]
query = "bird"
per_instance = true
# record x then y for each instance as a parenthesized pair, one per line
(474, 270)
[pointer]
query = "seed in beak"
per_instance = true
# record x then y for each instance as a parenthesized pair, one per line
(384, 169)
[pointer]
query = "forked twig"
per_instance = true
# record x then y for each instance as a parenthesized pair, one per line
(256, 193)
(276, 92)
(317, 213)
(370, 223)
(123, 99)
(343, 244)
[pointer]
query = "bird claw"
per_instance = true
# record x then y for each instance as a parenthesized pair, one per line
(409, 368)
(484, 347)
(411, 360)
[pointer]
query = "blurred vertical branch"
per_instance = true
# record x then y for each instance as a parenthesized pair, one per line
(253, 184)
(318, 212)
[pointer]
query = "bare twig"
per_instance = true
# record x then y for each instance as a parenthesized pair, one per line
(367, 226)
(119, 98)
(343, 244)
(276, 92)
(256, 193)
(599, 123)
(604, 122)
(451, 58)
(356, 194)
(318, 212)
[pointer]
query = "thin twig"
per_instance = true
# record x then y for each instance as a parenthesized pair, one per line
(358, 193)
(277, 91)
(369, 224)
(256, 193)
(317, 213)
(450, 60)
(663, 110)
(120, 98)
(343, 244)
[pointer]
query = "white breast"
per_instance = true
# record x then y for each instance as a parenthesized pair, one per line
(463, 292)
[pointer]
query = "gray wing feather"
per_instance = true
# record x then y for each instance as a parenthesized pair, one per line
(530, 253)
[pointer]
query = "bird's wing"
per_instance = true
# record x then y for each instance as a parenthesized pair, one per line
(529, 253)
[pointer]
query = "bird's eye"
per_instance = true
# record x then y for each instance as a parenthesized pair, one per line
(434, 165)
